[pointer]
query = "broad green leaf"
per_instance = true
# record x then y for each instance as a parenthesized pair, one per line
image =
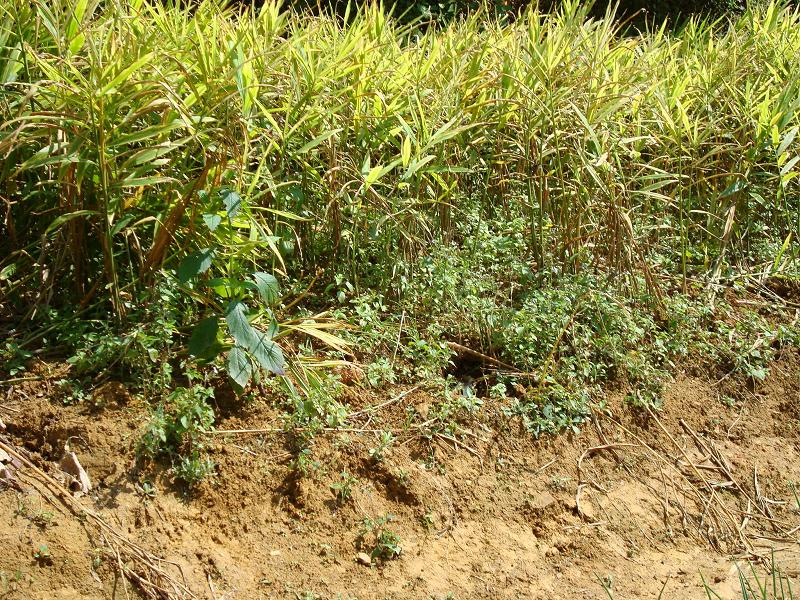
(446, 132)
(267, 286)
(232, 201)
(735, 187)
(416, 165)
(194, 264)
(268, 354)
(317, 330)
(272, 330)
(787, 140)
(8, 272)
(238, 323)
(282, 213)
(789, 165)
(49, 155)
(150, 155)
(75, 37)
(240, 369)
(204, 337)
(146, 133)
(129, 182)
(226, 287)
(77, 43)
(212, 221)
(121, 224)
(378, 171)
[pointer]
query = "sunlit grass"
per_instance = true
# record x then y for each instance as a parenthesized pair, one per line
(668, 154)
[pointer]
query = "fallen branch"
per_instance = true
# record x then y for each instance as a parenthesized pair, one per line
(581, 483)
(484, 358)
(383, 404)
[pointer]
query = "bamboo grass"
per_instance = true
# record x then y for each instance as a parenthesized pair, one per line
(672, 153)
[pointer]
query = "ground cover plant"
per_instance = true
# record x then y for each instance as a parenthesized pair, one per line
(213, 201)
(531, 189)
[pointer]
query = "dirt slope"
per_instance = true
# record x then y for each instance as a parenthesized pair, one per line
(635, 503)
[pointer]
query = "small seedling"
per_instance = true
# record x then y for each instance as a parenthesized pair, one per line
(793, 487)
(385, 543)
(146, 489)
(498, 391)
(378, 453)
(44, 519)
(179, 430)
(42, 555)
(303, 464)
(559, 484)
(344, 488)
(97, 558)
(8, 584)
(193, 469)
(608, 583)
(402, 477)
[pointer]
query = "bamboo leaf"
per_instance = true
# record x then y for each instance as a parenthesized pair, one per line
(124, 75)
(787, 140)
(406, 152)
(60, 220)
(318, 140)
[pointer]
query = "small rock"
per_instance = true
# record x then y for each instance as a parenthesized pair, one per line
(274, 552)
(7, 479)
(364, 559)
(587, 511)
(71, 466)
(541, 501)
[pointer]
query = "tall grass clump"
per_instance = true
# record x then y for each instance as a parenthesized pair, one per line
(357, 143)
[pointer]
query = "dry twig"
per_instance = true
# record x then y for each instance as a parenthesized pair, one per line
(145, 570)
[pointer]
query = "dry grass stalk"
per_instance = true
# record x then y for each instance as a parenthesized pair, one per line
(144, 570)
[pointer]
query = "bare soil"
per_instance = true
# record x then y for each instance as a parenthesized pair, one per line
(634, 505)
